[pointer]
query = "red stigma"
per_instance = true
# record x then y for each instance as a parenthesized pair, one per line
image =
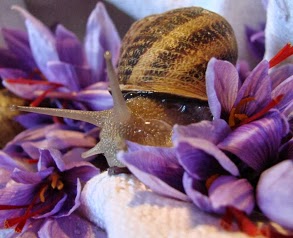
(263, 111)
(52, 86)
(283, 54)
(43, 201)
(249, 227)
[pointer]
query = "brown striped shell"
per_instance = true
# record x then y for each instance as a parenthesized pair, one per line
(169, 52)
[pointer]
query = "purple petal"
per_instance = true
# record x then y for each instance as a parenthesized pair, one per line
(96, 100)
(257, 143)
(55, 209)
(15, 194)
(69, 47)
(285, 89)
(275, 192)
(202, 159)
(222, 83)
(197, 192)
(230, 191)
(26, 177)
(50, 158)
(9, 60)
(280, 74)
(8, 163)
(34, 134)
(243, 69)
(64, 74)
(72, 201)
(17, 42)
(41, 40)
(30, 120)
(155, 171)
(101, 35)
(258, 86)
(26, 91)
(213, 131)
(72, 226)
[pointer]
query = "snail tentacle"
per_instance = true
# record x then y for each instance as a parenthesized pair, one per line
(95, 118)
(120, 108)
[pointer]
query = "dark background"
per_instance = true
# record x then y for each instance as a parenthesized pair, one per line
(73, 14)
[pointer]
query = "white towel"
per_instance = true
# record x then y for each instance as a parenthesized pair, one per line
(124, 207)
(279, 28)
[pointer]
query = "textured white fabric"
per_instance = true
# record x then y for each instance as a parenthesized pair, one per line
(124, 207)
(279, 28)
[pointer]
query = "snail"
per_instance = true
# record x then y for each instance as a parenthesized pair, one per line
(161, 72)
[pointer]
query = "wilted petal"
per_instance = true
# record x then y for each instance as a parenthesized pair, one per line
(213, 131)
(41, 40)
(202, 159)
(275, 192)
(72, 226)
(230, 191)
(101, 35)
(17, 42)
(154, 170)
(222, 83)
(68, 46)
(257, 143)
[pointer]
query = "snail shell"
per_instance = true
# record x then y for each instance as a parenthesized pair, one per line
(162, 55)
(169, 52)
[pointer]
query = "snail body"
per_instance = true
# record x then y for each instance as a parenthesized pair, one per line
(163, 61)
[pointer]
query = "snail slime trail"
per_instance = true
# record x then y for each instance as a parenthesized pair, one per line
(161, 73)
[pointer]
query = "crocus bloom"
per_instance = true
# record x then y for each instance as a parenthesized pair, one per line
(73, 71)
(26, 144)
(52, 191)
(238, 102)
(210, 177)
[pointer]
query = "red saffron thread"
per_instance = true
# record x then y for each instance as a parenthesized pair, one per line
(283, 54)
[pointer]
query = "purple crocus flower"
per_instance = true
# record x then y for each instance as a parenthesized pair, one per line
(57, 136)
(210, 177)
(52, 191)
(239, 103)
(74, 72)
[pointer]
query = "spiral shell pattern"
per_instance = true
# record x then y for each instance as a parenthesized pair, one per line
(169, 52)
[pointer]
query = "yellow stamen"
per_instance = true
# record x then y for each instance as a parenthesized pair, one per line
(235, 117)
(60, 185)
(210, 180)
(42, 193)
